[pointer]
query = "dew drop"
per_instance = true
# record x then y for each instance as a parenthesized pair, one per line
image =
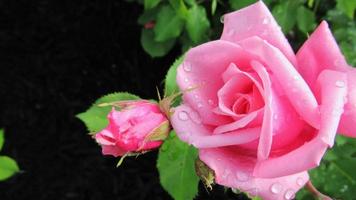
(195, 117)
(300, 181)
(289, 194)
(199, 105)
(340, 84)
(242, 176)
(186, 80)
(276, 188)
(231, 32)
(187, 67)
(210, 102)
(338, 62)
(265, 21)
(253, 192)
(182, 115)
(275, 116)
(295, 77)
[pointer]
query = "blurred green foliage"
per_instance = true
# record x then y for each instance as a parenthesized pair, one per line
(192, 22)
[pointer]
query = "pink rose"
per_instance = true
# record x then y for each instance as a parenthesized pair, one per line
(260, 115)
(137, 127)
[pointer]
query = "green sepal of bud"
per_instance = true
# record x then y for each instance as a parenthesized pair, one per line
(129, 154)
(205, 174)
(159, 133)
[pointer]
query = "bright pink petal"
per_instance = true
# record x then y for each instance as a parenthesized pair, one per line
(256, 20)
(348, 119)
(288, 78)
(189, 129)
(318, 53)
(202, 70)
(265, 141)
(308, 156)
(234, 170)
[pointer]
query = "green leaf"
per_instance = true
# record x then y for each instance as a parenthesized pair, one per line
(285, 14)
(214, 4)
(197, 24)
(347, 6)
(180, 7)
(148, 16)
(336, 176)
(8, 167)
(305, 19)
(170, 83)
(1, 138)
(176, 166)
(149, 4)
(169, 25)
(152, 47)
(95, 118)
(238, 4)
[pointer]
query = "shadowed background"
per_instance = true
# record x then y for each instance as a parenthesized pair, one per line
(56, 58)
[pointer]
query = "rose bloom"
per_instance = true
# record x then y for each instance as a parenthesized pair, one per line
(133, 128)
(260, 115)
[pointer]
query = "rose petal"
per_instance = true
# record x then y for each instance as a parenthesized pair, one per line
(320, 52)
(348, 119)
(309, 155)
(235, 170)
(192, 132)
(295, 88)
(256, 20)
(265, 141)
(202, 70)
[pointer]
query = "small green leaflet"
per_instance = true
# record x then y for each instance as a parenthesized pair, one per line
(149, 4)
(8, 167)
(197, 24)
(238, 4)
(95, 118)
(305, 19)
(169, 25)
(176, 166)
(1, 138)
(153, 48)
(170, 84)
(285, 14)
(347, 6)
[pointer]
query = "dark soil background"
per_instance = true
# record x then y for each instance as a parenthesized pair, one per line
(56, 58)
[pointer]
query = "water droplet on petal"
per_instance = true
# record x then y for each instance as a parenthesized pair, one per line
(199, 105)
(186, 80)
(187, 67)
(289, 194)
(242, 176)
(340, 84)
(253, 192)
(276, 188)
(338, 62)
(300, 181)
(275, 116)
(210, 102)
(182, 115)
(222, 19)
(194, 116)
(231, 32)
(295, 77)
(265, 21)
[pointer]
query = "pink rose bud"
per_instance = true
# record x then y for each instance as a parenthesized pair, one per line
(139, 126)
